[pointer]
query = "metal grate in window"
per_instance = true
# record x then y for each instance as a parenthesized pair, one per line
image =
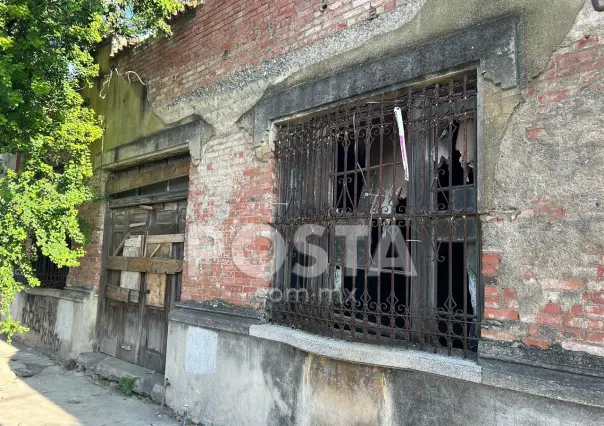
(49, 274)
(381, 231)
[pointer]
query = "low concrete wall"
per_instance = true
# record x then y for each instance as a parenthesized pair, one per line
(230, 378)
(61, 322)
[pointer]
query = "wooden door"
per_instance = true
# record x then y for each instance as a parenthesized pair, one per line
(144, 273)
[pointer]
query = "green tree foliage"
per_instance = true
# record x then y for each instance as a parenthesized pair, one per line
(46, 59)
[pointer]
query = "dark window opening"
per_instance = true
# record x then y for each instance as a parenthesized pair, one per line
(455, 295)
(49, 274)
(400, 256)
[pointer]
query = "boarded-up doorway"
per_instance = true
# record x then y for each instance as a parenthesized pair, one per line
(146, 227)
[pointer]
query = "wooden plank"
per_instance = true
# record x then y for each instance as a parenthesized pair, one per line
(161, 197)
(141, 319)
(156, 289)
(117, 263)
(126, 348)
(156, 266)
(121, 294)
(144, 264)
(133, 247)
(121, 245)
(116, 293)
(163, 250)
(158, 173)
(166, 238)
(155, 250)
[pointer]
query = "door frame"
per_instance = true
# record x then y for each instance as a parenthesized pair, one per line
(170, 170)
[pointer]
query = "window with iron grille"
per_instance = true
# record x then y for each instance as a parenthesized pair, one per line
(380, 225)
(49, 274)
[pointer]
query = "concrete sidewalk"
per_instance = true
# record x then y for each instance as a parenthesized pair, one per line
(36, 391)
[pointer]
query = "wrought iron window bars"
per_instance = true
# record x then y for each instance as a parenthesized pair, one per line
(383, 260)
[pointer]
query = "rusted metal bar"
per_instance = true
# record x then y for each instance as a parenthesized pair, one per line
(49, 274)
(341, 167)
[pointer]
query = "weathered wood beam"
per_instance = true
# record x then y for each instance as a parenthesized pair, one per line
(121, 294)
(144, 264)
(158, 173)
(162, 197)
(166, 238)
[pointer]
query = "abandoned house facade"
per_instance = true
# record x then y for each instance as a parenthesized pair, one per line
(349, 212)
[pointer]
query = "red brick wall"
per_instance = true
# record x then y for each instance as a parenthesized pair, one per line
(88, 274)
(232, 35)
(571, 307)
(573, 325)
(230, 189)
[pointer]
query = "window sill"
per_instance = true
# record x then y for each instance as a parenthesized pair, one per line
(543, 382)
(371, 354)
(69, 293)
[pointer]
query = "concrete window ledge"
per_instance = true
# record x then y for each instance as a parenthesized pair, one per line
(371, 354)
(544, 382)
(73, 294)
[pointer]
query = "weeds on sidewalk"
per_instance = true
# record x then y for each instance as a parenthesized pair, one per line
(127, 385)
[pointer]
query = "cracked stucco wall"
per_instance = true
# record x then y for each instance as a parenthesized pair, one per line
(549, 239)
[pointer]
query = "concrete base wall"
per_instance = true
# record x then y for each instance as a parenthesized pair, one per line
(229, 378)
(61, 322)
